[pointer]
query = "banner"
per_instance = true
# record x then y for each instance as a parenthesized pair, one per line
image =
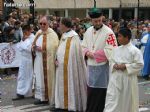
(9, 55)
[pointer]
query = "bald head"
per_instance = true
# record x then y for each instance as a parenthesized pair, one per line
(44, 18)
(44, 23)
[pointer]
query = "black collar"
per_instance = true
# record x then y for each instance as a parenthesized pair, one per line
(98, 28)
(68, 31)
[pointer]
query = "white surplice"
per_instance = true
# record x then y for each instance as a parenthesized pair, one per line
(102, 39)
(77, 92)
(25, 75)
(122, 92)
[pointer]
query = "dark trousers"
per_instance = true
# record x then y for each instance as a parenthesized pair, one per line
(96, 99)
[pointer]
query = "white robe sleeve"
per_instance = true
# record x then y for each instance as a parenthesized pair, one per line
(137, 64)
(111, 61)
(25, 46)
(108, 51)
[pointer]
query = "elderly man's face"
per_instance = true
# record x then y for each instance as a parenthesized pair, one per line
(44, 24)
(97, 22)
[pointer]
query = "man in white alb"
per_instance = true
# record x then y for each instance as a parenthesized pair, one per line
(97, 44)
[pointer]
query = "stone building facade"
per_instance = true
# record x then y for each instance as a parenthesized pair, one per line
(79, 8)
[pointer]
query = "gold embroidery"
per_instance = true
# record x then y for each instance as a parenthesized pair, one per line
(66, 72)
(44, 54)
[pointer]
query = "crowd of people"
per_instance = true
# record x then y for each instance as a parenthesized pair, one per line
(88, 65)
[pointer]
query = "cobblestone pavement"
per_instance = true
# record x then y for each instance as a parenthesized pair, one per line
(25, 108)
(8, 90)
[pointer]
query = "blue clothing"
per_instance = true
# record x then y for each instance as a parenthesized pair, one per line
(143, 35)
(98, 76)
(146, 56)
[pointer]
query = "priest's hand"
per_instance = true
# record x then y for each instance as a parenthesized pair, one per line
(56, 63)
(38, 48)
(90, 55)
(33, 48)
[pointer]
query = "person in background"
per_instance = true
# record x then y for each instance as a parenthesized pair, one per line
(115, 28)
(8, 35)
(55, 27)
(80, 31)
(144, 39)
(146, 56)
(8, 22)
(18, 31)
(125, 63)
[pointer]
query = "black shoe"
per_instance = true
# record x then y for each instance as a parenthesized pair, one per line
(53, 109)
(38, 102)
(146, 77)
(19, 97)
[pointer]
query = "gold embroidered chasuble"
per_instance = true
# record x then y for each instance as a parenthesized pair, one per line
(44, 65)
(71, 85)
